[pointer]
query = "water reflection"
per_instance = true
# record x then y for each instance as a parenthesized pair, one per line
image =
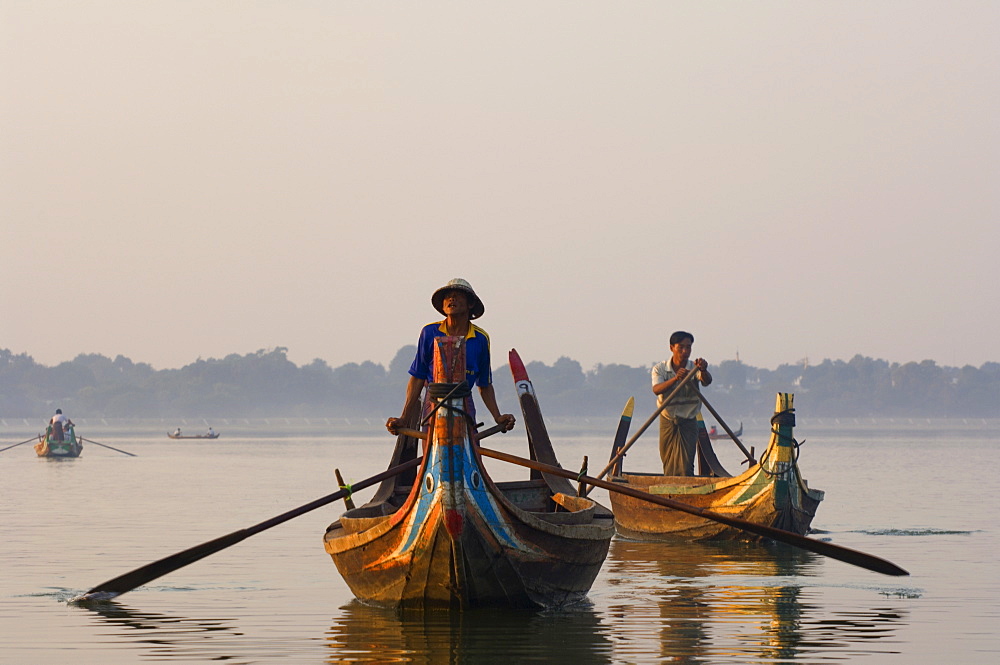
(733, 600)
(367, 635)
(168, 638)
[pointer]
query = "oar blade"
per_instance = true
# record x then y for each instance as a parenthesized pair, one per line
(621, 435)
(839, 552)
(151, 571)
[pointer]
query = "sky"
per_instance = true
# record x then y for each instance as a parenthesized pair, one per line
(785, 180)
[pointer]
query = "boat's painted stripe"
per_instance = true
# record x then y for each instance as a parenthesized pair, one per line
(439, 469)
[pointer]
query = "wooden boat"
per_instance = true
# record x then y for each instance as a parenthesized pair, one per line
(448, 536)
(192, 436)
(50, 446)
(714, 435)
(772, 492)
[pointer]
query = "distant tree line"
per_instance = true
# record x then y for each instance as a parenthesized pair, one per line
(266, 384)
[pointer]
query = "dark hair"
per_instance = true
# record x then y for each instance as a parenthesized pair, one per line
(58, 410)
(680, 336)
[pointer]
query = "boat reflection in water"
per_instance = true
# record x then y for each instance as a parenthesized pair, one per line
(730, 600)
(364, 634)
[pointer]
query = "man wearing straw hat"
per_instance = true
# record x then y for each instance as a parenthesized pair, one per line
(458, 302)
(679, 420)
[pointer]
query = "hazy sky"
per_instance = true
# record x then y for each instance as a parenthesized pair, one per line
(783, 179)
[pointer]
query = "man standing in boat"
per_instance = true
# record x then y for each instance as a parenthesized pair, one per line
(60, 424)
(459, 304)
(679, 420)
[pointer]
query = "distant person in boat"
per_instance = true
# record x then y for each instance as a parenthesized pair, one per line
(679, 420)
(177, 432)
(211, 432)
(713, 431)
(458, 302)
(59, 424)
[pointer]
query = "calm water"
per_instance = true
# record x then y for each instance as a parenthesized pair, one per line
(916, 492)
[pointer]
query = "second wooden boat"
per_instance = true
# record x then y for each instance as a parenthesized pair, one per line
(771, 492)
(449, 536)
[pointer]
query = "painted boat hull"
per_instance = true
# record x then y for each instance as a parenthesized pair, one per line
(452, 538)
(772, 493)
(69, 447)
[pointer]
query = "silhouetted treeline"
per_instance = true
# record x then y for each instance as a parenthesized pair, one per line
(266, 383)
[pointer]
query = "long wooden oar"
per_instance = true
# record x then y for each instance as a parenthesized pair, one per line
(645, 425)
(98, 443)
(838, 552)
(726, 427)
(151, 571)
(730, 432)
(34, 438)
(422, 435)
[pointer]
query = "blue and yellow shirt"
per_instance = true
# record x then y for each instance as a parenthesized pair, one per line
(477, 354)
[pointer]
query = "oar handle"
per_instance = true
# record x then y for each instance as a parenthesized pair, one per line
(417, 434)
(645, 425)
(730, 432)
(838, 552)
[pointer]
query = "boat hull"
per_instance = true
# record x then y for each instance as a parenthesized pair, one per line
(772, 493)
(69, 447)
(468, 559)
(454, 539)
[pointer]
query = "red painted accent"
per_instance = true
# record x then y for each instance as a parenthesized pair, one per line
(517, 367)
(453, 522)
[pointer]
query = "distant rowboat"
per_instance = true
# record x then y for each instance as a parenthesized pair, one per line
(50, 445)
(713, 434)
(193, 436)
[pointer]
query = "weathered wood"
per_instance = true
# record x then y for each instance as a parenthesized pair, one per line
(456, 539)
(348, 501)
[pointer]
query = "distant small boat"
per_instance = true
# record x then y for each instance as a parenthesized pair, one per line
(712, 434)
(51, 446)
(173, 435)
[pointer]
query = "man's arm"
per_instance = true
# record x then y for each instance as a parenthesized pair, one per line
(505, 420)
(411, 407)
(702, 366)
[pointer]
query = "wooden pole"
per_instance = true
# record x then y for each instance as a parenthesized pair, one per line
(645, 425)
(730, 432)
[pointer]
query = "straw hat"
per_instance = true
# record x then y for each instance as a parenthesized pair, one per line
(476, 307)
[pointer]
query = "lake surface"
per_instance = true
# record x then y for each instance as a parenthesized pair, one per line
(919, 493)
